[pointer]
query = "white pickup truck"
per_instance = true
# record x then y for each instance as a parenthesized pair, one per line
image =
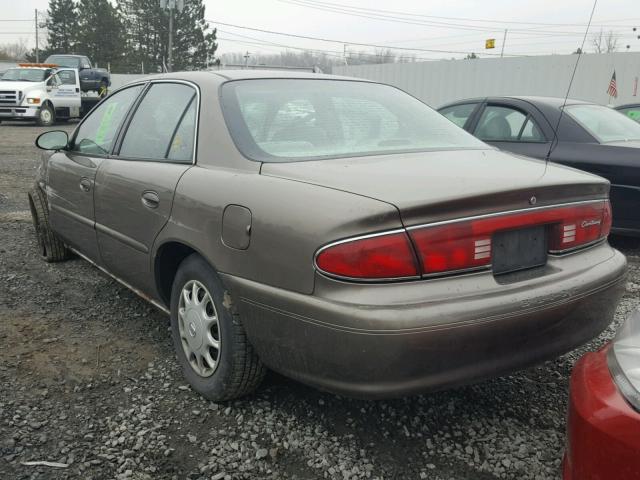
(42, 92)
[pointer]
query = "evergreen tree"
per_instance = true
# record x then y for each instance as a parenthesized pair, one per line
(100, 33)
(62, 26)
(147, 36)
(194, 45)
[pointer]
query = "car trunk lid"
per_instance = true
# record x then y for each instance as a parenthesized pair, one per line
(441, 185)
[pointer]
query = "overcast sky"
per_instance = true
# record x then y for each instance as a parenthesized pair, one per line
(533, 24)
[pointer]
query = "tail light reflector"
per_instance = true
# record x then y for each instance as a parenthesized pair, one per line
(586, 224)
(376, 257)
(466, 244)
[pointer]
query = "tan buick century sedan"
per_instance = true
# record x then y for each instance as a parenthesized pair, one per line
(335, 230)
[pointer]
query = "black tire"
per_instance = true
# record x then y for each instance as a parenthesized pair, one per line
(239, 371)
(46, 116)
(52, 248)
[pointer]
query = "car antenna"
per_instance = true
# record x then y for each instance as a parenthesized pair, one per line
(566, 97)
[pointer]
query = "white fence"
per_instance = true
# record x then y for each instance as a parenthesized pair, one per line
(120, 79)
(439, 82)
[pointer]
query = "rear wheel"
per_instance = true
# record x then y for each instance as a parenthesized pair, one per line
(102, 90)
(51, 246)
(46, 116)
(211, 345)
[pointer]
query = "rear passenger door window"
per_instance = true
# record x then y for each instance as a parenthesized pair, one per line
(459, 114)
(506, 124)
(163, 125)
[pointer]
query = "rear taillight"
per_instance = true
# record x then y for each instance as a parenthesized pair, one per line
(581, 225)
(460, 245)
(386, 256)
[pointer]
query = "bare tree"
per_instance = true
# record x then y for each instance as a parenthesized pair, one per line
(605, 43)
(15, 51)
(309, 59)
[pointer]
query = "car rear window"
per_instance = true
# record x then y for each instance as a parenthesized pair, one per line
(62, 61)
(276, 120)
(605, 124)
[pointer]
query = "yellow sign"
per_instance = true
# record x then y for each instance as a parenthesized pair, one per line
(490, 43)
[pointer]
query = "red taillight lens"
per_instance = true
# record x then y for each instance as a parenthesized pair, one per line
(466, 244)
(377, 257)
(460, 245)
(453, 246)
(580, 225)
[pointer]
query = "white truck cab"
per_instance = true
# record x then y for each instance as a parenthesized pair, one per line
(41, 92)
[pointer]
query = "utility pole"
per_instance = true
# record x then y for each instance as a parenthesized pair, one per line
(171, 5)
(37, 46)
(344, 54)
(246, 59)
(169, 54)
(504, 40)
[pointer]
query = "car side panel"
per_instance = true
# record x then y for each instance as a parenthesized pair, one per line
(70, 188)
(620, 166)
(290, 220)
(126, 227)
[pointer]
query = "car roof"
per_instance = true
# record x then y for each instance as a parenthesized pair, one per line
(554, 102)
(627, 105)
(225, 75)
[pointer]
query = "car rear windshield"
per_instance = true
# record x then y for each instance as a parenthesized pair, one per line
(69, 62)
(278, 120)
(25, 75)
(605, 124)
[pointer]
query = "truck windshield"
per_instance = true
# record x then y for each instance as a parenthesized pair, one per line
(62, 61)
(25, 75)
(280, 120)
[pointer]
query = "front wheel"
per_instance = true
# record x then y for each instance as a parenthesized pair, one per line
(210, 342)
(46, 116)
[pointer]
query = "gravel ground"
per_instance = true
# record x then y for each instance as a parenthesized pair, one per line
(88, 379)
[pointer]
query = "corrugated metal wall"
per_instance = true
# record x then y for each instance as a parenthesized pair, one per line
(439, 82)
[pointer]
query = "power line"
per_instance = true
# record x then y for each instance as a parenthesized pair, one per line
(342, 42)
(419, 15)
(363, 13)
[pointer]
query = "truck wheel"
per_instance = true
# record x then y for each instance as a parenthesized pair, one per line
(102, 91)
(52, 248)
(46, 116)
(210, 342)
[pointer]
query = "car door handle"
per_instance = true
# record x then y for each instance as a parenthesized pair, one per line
(150, 199)
(85, 185)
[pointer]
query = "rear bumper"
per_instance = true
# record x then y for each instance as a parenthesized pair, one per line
(9, 113)
(603, 431)
(379, 341)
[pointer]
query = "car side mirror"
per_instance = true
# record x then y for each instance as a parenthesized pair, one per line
(54, 140)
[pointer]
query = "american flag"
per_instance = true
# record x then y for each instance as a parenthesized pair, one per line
(613, 86)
